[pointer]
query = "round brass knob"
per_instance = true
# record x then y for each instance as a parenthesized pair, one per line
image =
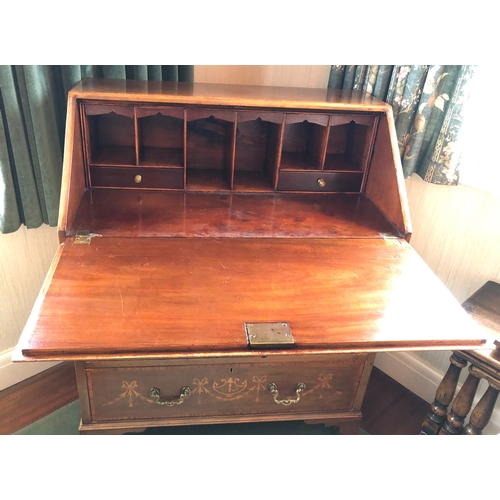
(138, 179)
(321, 183)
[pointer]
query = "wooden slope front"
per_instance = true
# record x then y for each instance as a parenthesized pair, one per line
(178, 273)
(121, 296)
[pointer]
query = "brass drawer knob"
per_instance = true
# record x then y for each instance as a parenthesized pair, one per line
(138, 179)
(321, 183)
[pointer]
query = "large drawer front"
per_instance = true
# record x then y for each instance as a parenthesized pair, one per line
(140, 177)
(331, 182)
(123, 393)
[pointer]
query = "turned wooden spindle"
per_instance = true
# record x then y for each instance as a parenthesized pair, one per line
(481, 414)
(484, 308)
(444, 396)
(454, 423)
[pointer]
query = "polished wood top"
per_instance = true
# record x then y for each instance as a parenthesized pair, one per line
(157, 297)
(484, 308)
(187, 214)
(247, 96)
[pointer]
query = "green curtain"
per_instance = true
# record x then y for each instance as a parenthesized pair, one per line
(32, 121)
(427, 102)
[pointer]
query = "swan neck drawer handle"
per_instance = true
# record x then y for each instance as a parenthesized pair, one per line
(273, 389)
(155, 394)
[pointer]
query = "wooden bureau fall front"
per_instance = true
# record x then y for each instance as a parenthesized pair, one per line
(232, 253)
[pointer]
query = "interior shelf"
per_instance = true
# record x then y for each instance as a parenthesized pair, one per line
(349, 145)
(161, 140)
(298, 161)
(207, 180)
(257, 144)
(303, 146)
(246, 180)
(113, 155)
(341, 163)
(210, 146)
(162, 157)
(111, 133)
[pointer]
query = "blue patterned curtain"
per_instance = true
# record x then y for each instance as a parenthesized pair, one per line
(427, 102)
(32, 122)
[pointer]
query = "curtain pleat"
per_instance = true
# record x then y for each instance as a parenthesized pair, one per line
(382, 81)
(427, 103)
(33, 102)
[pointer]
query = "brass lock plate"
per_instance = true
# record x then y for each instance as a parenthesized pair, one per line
(270, 335)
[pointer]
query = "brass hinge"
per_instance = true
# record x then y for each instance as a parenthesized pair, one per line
(84, 237)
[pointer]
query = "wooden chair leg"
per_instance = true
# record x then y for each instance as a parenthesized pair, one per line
(462, 404)
(444, 396)
(481, 414)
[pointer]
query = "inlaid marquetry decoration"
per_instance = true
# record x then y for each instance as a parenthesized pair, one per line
(323, 384)
(226, 389)
(129, 394)
(259, 386)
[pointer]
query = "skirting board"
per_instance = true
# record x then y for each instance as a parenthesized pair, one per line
(423, 380)
(13, 373)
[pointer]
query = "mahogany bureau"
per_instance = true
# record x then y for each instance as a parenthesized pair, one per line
(232, 254)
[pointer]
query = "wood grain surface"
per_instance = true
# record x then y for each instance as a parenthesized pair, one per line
(190, 214)
(139, 295)
(226, 95)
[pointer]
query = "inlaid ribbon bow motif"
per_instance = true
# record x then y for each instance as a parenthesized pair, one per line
(129, 393)
(200, 386)
(260, 385)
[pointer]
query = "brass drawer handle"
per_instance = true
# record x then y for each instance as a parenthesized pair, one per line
(321, 183)
(155, 394)
(138, 179)
(273, 389)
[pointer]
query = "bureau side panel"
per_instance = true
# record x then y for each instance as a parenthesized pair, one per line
(73, 179)
(385, 184)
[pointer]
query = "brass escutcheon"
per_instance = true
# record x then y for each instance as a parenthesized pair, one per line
(138, 179)
(321, 183)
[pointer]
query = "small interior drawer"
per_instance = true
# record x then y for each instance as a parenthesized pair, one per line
(341, 182)
(141, 178)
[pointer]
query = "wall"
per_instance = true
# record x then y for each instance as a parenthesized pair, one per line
(25, 258)
(287, 76)
(457, 232)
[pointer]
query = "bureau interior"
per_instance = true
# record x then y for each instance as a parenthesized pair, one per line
(220, 149)
(273, 172)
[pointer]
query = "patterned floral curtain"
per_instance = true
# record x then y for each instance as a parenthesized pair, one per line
(428, 104)
(32, 121)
